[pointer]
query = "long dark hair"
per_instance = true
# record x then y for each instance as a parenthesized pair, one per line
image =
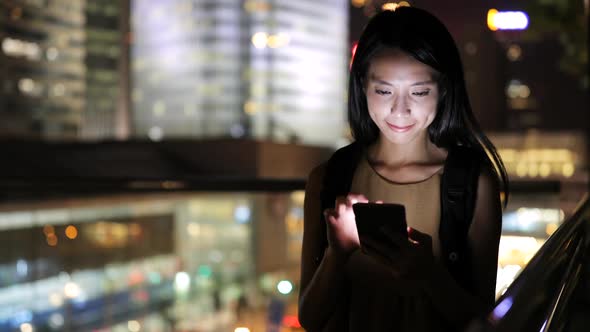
(424, 37)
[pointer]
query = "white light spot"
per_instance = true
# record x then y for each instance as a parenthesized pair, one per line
(56, 321)
(71, 290)
(52, 53)
(182, 282)
(156, 133)
(260, 39)
(284, 287)
(242, 214)
(26, 327)
(133, 326)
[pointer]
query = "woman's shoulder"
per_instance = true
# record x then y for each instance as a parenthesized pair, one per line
(317, 173)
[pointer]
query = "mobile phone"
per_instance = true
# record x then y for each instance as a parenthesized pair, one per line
(375, 220)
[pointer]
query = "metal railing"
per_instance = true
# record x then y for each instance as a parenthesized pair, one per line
(546, 294)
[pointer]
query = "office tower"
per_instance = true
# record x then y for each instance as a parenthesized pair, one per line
(106, 77)
(256, 69)
(42, 68)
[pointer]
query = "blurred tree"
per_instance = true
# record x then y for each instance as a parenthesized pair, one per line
(565, 19)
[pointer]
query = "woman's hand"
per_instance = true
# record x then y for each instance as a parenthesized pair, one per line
(409, 258)
(342, 233)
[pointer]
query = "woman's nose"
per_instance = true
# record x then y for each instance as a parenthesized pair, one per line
(400, 107)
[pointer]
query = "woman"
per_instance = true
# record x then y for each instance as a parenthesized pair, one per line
(409, 113)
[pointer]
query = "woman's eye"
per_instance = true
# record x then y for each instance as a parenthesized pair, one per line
(382, 92)
(421, 93)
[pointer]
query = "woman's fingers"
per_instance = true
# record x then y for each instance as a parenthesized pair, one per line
(418, 237)
(357, 198)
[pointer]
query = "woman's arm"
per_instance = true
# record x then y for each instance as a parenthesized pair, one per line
(322, 270)
(453, 302)
(321, 277)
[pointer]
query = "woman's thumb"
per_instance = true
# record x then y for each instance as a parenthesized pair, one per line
(417, 236)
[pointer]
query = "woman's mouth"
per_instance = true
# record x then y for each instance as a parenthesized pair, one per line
(399, 129)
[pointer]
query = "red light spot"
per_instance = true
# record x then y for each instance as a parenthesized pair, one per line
(291, 321)
(353, 52)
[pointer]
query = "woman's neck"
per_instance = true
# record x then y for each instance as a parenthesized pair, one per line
(418, 151)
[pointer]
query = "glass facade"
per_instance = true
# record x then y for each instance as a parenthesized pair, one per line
(104, 53)
(43, 71)
(263, 69)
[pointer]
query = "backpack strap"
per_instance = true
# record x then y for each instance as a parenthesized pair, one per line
(458, 194)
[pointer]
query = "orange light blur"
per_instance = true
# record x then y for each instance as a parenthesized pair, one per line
(491, 14)
(358, 3)
(389, 6)
(48, 229)
(71, 232)
(52, 240)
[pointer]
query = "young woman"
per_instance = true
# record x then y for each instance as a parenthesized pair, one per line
(409, 114)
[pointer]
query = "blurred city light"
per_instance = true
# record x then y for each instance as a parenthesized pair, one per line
(71, 232)
(516, 89)
(358, 3)
(260, 39)
(242, 214)
(52, 53)
(278, 40)
(52, 240)
(389, 6)
(394, 5)
(182, 282)
(71, 290)
(133, 326)
(22, 267)
(514, 52)
(507, 20)
(15, 47)
(242, 329)
(568, 170)
(26, 327)
(193, 229)
(205, 271)
(549, 156)
(502, 308)
(56, 299)
(284, 287)
(291, 321)
(48, 229)
(156, 133)
(56, 321)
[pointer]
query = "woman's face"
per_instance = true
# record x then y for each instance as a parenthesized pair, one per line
(402, 96)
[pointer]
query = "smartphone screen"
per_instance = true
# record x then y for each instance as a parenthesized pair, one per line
(373, 218)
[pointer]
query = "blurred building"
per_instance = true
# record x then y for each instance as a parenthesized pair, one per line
(106, 76)
(60, 61)
(274, 70)
(43, 72)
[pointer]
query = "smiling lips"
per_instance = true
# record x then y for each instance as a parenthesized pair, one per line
(399, 129)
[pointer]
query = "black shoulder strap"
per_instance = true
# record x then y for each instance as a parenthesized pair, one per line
(458, 194)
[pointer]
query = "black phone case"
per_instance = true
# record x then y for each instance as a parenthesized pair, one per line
(373, 220)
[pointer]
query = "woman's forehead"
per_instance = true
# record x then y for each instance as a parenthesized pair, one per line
(399, 66)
